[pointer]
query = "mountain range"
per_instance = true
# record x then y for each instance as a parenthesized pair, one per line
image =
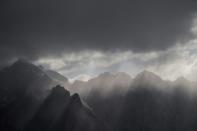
(34, 99)
(30, 100)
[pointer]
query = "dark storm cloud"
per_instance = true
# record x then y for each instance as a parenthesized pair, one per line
(36, 28)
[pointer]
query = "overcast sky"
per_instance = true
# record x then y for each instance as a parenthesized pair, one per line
(78, 37)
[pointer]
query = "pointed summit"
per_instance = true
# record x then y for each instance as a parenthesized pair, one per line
(62, 112)
(21, 62)
(147, 75)
(59, 90)
(24, 75)
(76, 99)
(147, 78)
(146, 72)
(105, 74)
(122, 75)
(22, 65)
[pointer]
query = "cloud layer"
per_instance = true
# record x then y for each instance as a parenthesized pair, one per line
(33, 29)
(179, 60)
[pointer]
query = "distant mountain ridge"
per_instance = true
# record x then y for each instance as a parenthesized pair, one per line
(122, 82)
(146, 103)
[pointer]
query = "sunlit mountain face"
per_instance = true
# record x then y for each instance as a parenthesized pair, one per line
(98, 65)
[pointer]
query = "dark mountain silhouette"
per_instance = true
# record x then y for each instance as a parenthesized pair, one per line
(63, 112)
(50, 110)
(28, 102)
(26, 76)
(23, 86)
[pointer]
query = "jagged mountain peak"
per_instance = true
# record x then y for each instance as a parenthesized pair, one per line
(60, 112)
(147, 75)
(146, 72)
(122, 74)
(76, 99)
(27, 69)
(22, 65)
(59, 90)
(105, 74)
(22, 62)
(147, 78)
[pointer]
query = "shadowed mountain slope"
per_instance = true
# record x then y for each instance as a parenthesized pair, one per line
(23, 88)
(63, 112)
